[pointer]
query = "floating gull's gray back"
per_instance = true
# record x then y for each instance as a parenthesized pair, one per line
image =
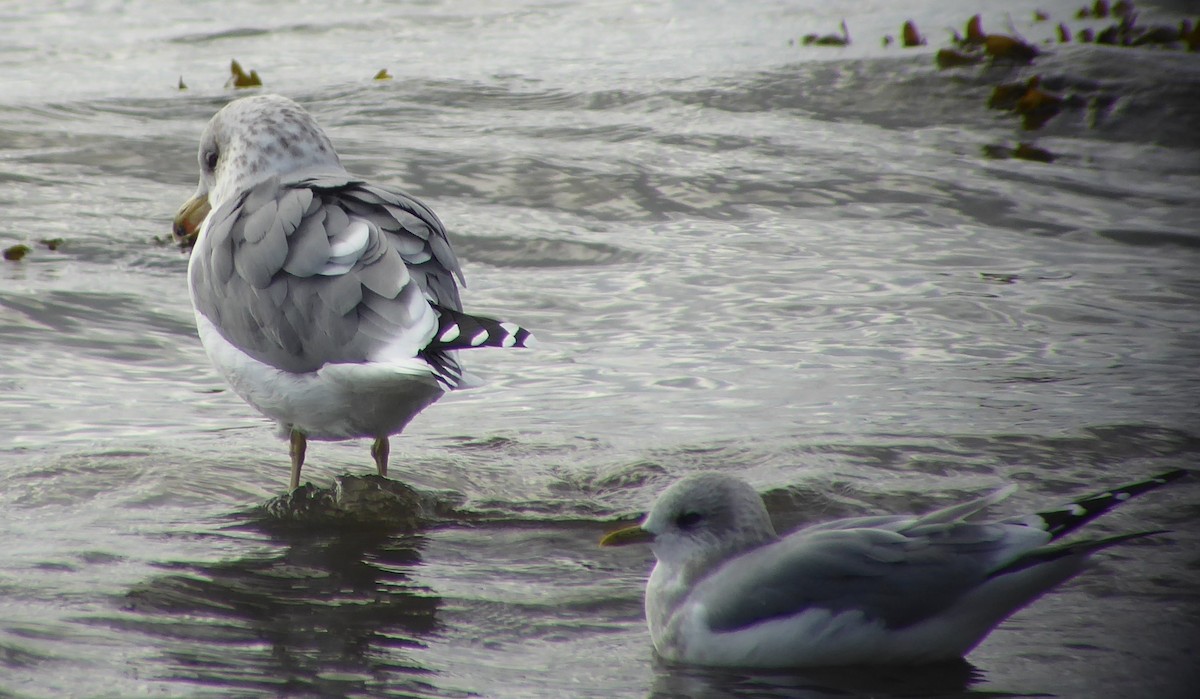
(879, 589)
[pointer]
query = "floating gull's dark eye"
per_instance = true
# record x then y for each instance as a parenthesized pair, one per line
(687, 520)
(210, 160)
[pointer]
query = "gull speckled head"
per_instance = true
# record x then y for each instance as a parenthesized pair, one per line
(702, 516)
(248, 141)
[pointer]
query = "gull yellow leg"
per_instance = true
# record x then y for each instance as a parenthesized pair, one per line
(380, 450)
(297, 448)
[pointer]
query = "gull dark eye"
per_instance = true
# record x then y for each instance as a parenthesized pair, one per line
(210, 160)
(687, 520)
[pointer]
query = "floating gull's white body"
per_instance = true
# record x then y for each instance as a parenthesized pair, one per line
(327, 303)
(728, 591)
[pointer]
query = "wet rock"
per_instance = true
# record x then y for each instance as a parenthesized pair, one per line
(357, 501)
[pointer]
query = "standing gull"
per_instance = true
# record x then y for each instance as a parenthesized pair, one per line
(327, 303)
(906, 589)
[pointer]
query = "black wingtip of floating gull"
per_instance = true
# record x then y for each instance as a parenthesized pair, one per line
(1066, 519)
(1074, 548)
(458, 330)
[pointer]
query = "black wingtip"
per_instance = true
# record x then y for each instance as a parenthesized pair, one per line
(458, 330)
(1064, 520)
(1074, 548)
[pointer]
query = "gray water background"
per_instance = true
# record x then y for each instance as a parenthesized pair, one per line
(792, 263)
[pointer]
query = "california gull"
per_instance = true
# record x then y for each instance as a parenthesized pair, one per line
(907, 589)
(327, 303)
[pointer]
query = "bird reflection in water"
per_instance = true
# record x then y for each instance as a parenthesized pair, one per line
(331, 614)
(949, 679)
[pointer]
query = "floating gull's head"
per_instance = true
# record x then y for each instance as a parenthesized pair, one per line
(700, 520)
(248, 141)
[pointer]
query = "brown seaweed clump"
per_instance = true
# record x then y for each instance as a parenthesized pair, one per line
(356, 502)
(1035, 105)
(16, 252)
(240, 78)
(1127, 32)
(1028, 151)
(1006, 95)
(998, 47)
(910, 37)
(829, 39)
(975, 35)
(953, 58)
(1007, 48)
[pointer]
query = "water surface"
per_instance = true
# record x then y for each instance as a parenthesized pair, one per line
(739, 253)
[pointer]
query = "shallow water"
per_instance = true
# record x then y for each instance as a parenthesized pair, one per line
(792, 263)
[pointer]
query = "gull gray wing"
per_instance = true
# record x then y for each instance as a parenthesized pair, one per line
(898, 523)
(897, 578)
(418, 234)
(324, 269)
(903, 569)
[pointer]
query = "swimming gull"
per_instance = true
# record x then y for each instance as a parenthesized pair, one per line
(328, 303)
(908, 589)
